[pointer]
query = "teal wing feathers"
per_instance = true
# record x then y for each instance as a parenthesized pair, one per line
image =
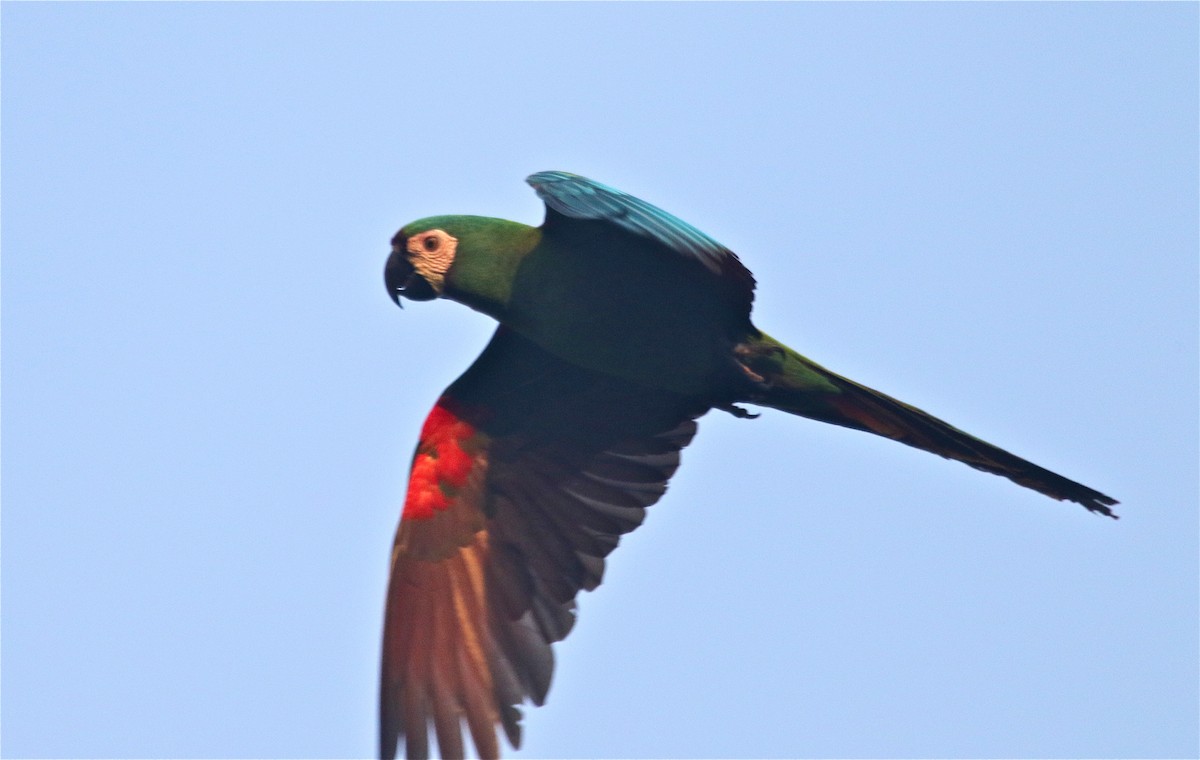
(582, 198)
(577, 197)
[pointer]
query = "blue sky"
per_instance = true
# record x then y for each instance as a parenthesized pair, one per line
(989, 211)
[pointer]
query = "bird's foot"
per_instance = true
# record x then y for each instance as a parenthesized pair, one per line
(737, 411)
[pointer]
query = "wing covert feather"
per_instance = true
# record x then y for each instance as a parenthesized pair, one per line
(572, 197)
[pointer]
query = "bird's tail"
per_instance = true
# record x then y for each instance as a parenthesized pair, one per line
(794, 384)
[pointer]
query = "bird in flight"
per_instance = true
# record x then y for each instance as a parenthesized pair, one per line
(619, 326)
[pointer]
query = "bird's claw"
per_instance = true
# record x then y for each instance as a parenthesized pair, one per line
(738, 411)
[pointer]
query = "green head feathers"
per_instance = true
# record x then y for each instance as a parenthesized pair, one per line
(470, 259)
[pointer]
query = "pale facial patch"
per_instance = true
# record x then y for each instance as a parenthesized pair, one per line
(431, 254)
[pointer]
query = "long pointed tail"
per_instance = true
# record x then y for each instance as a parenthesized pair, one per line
(799, 386)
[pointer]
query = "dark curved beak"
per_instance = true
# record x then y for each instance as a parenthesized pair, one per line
(397, 271)
(401, 277)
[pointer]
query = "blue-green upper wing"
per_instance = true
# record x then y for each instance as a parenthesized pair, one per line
(578, 197)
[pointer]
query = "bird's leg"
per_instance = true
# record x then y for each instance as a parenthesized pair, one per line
(754, 364)
(759, 359)
(758, 362)
(755, 378)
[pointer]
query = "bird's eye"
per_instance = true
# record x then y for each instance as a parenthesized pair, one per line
(431, 243)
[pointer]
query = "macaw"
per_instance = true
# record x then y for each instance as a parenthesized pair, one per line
(619, 326)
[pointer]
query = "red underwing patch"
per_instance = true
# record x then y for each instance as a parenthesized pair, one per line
(441, 465)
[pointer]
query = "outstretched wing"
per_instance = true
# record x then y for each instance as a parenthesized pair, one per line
(527, 473)
(569, 196)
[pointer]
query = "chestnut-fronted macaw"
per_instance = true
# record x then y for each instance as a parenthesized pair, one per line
(619, 326)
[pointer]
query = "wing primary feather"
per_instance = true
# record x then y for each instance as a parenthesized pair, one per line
(474, 666)
(532, 651)
(630, 517)
(446, 713)
(416, 729)
(417, 646)
(550, 558)
(511, 718)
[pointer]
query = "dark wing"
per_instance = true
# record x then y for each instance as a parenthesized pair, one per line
(528, 471)
(569, 196)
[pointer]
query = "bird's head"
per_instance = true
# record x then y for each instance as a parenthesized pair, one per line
(469, 259)
(422, 254)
